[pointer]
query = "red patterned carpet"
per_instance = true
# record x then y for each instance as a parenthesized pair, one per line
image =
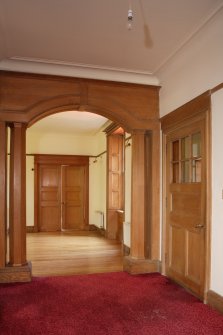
(100, 304)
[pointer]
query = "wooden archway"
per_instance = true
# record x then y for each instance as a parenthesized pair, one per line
(25, 99)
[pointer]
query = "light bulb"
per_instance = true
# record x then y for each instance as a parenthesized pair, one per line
(130, 19)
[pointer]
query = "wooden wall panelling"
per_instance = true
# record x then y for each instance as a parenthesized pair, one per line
(191, 109)
(139, 218)
(3, 188)
(61, 159)
(148, 196)
(130, 105)
(26, 98)
(114, 183)
(155, 193)
(143, 223)
(29, 97)
(17, 228)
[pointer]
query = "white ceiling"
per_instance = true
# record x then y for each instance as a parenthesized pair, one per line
(89, 38)
(94, 32)
(71, 122)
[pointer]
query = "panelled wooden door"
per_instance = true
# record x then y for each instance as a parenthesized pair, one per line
(115, 171)
(62, 197)
(49, 199)
(114, 182)
(185, 212)
(73, 197)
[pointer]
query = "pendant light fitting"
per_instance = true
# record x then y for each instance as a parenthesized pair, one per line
(130, 18)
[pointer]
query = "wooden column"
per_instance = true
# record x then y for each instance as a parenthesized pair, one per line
(140, 260)
(155, 189)
(18, 270)
(3, 191)
(17, 227)
(139, 188)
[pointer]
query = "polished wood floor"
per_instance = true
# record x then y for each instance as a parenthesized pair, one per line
(69, 253)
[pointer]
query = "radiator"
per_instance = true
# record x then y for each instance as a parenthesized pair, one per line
(127, 234)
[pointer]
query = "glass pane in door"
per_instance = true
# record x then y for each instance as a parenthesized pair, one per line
(175, 173)
(185, 171)
(196, 171)
(185, 148)
(196, 145)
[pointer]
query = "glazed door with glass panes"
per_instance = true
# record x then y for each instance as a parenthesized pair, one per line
(185, 207)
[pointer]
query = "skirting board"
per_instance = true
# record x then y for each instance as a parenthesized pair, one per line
(31, 229)
(138, 266)
(126, 250)
(15, 274)
(92, 227)
(215, 300)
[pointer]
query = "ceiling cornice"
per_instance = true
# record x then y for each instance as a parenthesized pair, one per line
(196, 30)
(44, 66)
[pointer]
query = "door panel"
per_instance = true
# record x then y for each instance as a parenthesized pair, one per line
(115, 171)
(185, 212)
(194, 252)
(73, 197)
(177, 261)
(49, 198)
(49, 218)
(114, 182)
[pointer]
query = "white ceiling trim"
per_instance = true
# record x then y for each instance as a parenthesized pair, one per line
(44, 66)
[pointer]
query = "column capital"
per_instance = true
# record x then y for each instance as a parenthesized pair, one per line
(140, 132)
(18, 125)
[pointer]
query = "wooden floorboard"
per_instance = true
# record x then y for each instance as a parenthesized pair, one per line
(69, 253)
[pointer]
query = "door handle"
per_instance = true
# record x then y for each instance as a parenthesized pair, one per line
(199, 226)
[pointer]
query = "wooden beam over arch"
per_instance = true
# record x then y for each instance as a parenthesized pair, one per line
(28, 97)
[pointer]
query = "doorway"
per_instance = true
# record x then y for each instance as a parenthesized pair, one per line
(61, 190)
(186, 231)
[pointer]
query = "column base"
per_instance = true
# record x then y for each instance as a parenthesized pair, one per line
(15, 274)
(139, 266)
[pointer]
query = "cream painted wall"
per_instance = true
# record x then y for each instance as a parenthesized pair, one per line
(54, 143)
(195, 69)
(128, 171)
(217, 193)
(97, 184)
(66, 144)
(97, 188)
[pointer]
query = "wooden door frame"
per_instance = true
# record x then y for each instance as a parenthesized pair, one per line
(196, 110)
(114, 132)
(26, 98)
(75, 160)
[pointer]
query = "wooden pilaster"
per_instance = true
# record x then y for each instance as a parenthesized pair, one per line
(3, 183)
(142, 223)
(17, 229)
(138, 215)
